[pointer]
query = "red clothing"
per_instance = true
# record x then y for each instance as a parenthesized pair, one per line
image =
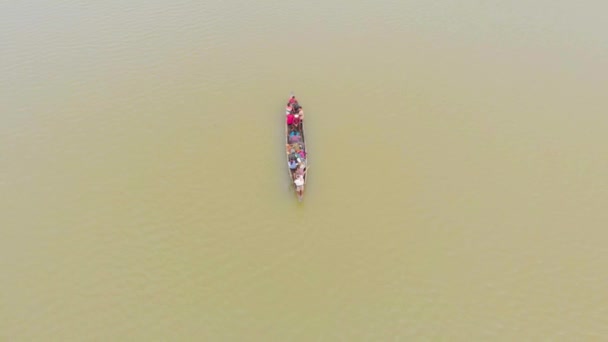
(290, 119)
(292, 100)
(296, 120)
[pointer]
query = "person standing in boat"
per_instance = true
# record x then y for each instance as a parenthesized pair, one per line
(299, 182)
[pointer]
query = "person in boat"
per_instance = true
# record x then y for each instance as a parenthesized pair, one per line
(299, 182)
(288, 109)
(301, 170)
(301, 113)
(293, 150)
(294, 136)
(290, 118)
(293, 164)
(292, 100)
(296, 121)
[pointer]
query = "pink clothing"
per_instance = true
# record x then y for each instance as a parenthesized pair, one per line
(290, 118)
(292, 100)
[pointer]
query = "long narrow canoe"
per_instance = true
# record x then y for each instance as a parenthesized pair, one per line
(292, 152)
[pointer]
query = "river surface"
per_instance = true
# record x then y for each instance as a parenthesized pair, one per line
(457, 190)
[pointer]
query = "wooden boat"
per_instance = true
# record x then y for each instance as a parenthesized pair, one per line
(292, 150)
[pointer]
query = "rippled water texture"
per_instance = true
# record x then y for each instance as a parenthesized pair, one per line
(457, 187)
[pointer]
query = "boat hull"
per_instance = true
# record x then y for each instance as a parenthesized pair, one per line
(291, 147)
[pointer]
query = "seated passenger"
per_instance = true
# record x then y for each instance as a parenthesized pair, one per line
(292, 164)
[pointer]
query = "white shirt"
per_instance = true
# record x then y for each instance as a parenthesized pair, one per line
(299, 181)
